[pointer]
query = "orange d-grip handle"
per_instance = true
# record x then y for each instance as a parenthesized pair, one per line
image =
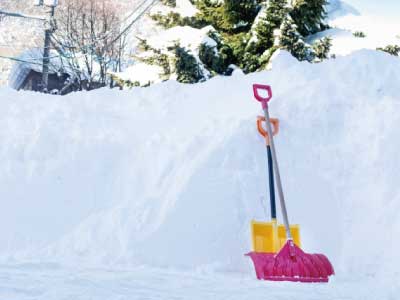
(263, 132)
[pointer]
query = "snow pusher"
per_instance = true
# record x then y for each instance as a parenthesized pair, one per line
(269, 237)
(290, 263)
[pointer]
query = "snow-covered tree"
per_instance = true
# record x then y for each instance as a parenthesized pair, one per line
(291, 40)
(171, 3)
(240, 13)
(321, 48)
(186, 66)
(247, 33)
(309, 15)
(216, 60)
(391, 49)
(273, 15)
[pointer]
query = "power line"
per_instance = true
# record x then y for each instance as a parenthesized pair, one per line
(100, 38)
(20, 15)
(133, 12)
(92, 44)
(108, 34)
(124, 31)
(20, 60)
(11, 46)
(131, 24)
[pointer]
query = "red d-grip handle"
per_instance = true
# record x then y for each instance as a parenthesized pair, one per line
(263, 100)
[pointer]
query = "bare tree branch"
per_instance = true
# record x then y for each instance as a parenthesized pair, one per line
(90, 40)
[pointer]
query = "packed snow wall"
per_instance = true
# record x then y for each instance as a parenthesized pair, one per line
(171, 175)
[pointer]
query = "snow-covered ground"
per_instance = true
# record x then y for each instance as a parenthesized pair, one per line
(148, 193)
(53, 282)
(346, 20)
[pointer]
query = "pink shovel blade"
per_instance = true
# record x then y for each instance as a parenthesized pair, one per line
(292, 264)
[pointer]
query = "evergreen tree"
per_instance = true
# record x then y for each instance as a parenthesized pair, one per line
(291, 40)
(212, 13)
(232, 16)
(240, 13)
(216, 60)
(322, 47)
(391, 49)
(275, 12)
(157, 58)
(359, 34)
(171, 3)
(251, 63)
(246, 32)
(309, 15)
(186, 66)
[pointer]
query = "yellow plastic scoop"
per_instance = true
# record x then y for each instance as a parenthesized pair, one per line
(270, 237)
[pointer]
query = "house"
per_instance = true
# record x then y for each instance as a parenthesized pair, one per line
(26, 73)
(32, 81)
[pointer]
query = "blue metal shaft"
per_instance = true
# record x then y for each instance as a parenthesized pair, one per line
(271, 183)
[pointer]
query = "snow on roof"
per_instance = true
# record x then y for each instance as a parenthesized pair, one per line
(31, 60)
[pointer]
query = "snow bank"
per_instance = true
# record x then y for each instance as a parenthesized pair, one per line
(379, 32)
(171, 175)
(346, 20)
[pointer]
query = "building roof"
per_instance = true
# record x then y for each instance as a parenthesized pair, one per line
(31, 60)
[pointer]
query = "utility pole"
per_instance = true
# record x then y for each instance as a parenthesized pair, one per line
(48, 32)
(47, 39)
(46, 52)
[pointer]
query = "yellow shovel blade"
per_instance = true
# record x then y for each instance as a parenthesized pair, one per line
(269, 237)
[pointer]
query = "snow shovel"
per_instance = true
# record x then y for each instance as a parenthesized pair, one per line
(269, 237)
(290, 263)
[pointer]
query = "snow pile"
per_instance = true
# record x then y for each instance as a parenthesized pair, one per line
(171, 175)
(346, 20)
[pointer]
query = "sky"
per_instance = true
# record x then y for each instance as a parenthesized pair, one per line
(385, 8)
